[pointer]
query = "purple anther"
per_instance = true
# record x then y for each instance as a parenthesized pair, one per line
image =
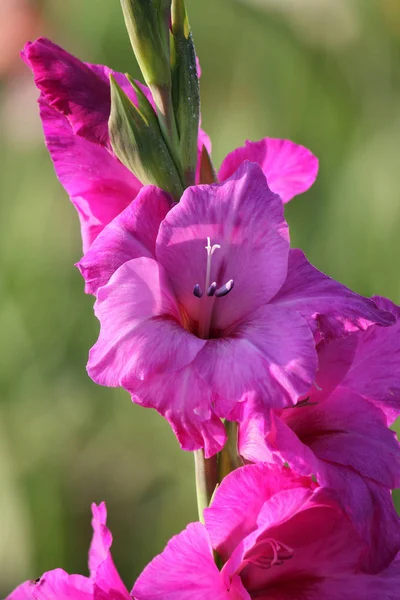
(197, 291)
(225, 289)
(211, 289)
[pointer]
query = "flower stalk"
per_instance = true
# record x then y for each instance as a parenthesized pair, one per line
(206, 472)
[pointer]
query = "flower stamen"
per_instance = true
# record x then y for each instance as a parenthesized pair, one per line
(225, 289)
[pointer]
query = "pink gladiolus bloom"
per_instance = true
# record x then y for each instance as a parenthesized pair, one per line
(75, 106)
(340, 432)
(202, 305)
(104, 582)
(279, 537)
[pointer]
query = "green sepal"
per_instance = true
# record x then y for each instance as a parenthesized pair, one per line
(185, 90)
(139, 145)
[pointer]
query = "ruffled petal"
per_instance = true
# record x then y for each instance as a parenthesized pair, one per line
(276, 353)
(184, 571)
(313, 294)
(290, 169)
(102, 569)
(187, 402)
(132, 234)
(246, 219)
(140, 334)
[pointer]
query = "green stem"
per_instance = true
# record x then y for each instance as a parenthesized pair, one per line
(229, 458)
(206, 470)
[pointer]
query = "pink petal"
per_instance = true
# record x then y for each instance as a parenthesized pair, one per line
(131, 234)
(276, 353)
(272, 441)
(323, 540)
(77, 90)
(346, 430)
(375, 369)
(239, 499)
(360, 586)
(101, 565)
(313, 294)
(184, 571)
(140, 334)
(99, 186)
(186, 401)
(290, 169)
(371, 509)
(58, 585)
(246, 219)
(23, 592)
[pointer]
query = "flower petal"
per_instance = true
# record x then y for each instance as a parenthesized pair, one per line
(375, 369)
(346, 430)
(360, 586)
(313, 294)
(246, 219)
(290, 169)
(79, 91)
(239, 499)
(23, 592)
(276, 353)
(102, 569)
(132, 234)
(371, 509)
(186, 401)
(140, 334)
(58, 585)
(99, 186)
(185, 570)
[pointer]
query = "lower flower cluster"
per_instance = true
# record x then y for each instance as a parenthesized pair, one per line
(276, 535)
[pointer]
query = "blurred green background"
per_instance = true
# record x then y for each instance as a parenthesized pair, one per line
(324, 73)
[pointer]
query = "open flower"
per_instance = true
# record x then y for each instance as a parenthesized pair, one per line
(278, 537)
(203, 305)
(104, 582)
(340, 433)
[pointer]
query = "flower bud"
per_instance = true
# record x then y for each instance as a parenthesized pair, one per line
(147, 22)
(138, 143)
(185, 89)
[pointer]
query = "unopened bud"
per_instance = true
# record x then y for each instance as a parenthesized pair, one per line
(138, 143)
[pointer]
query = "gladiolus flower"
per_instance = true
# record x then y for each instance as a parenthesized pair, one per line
(340, 433)
(202, 304)
(278, 537)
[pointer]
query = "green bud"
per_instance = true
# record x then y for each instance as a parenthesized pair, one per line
(137, 141)
(185, 90)
(147, 22)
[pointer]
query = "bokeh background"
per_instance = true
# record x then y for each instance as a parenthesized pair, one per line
(324, 73)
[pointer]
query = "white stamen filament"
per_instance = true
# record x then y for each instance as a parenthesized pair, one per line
(210, 251)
